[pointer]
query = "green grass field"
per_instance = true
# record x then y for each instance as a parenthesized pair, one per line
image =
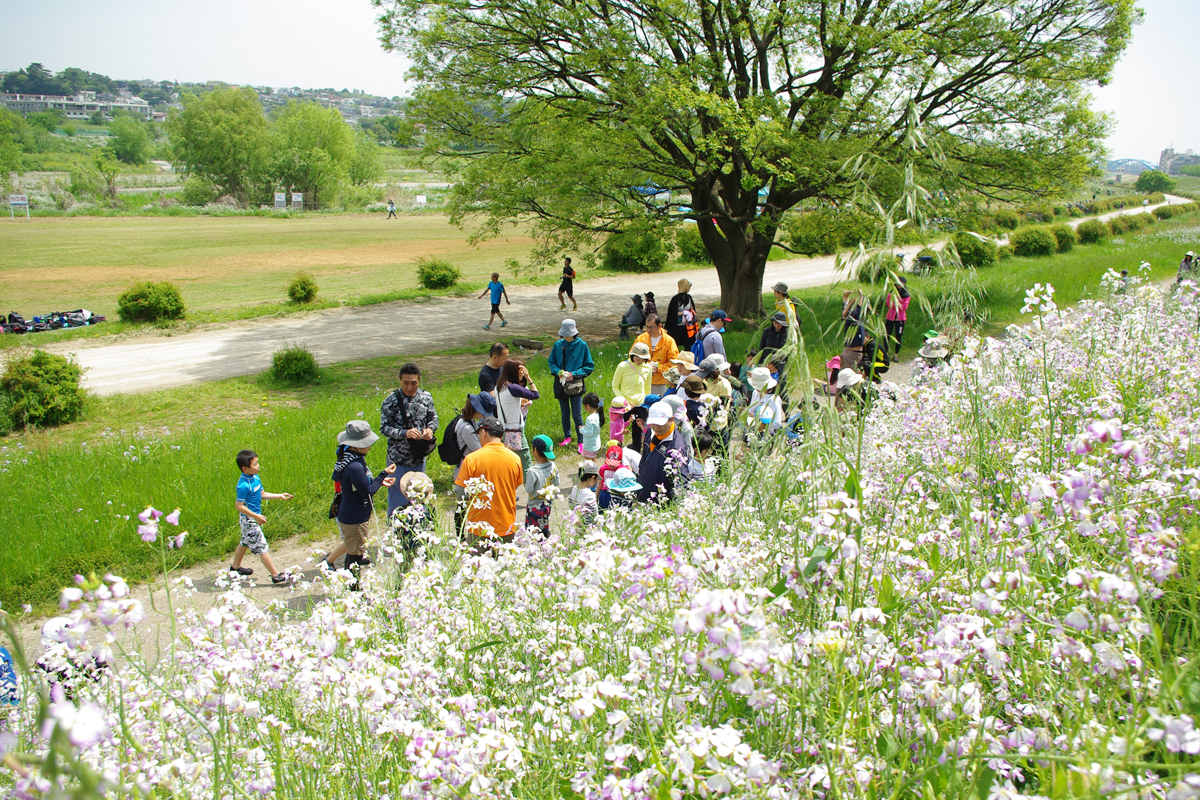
(68, 490)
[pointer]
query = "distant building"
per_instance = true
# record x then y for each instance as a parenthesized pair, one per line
(1171, 162)
(81, 106)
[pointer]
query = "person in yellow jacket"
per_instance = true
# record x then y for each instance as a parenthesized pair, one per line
(631, 379)
(662, 349)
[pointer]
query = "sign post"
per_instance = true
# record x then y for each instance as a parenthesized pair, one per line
(281, 201)
(15, 200)
(297, 201)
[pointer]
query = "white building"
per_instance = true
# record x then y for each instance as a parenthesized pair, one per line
(81, 106)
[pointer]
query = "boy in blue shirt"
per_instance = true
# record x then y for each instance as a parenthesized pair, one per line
(250, 495)
(497, 289)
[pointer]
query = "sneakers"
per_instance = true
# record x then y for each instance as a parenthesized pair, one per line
(487, 327)
(240, 570)
(280, 577)
(363, 561)
(562, 306)
(503, 322)
(565, 442)
(328, 565)
(581, 448)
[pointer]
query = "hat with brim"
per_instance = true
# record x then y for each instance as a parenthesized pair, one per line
(684, 285)
(618, 403)
(623, 481)
(543, 445)
(761, 380)
(484, 403)
(694, 384)
(712, 365)
(686, 361)
(660, 414)
(641, 350)
(414, 482)
(1190, 253)
(848, 378)
(568, 328)
(780, 317)
(678, 406)
(589, 468)
(358, 433)
(780, 287)
(933, 350)
(719, 316)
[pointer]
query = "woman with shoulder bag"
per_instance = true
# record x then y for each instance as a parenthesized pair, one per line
(514, 389)
(570, 364)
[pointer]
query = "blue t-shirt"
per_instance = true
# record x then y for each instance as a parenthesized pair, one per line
(497, 288)
(249, 492)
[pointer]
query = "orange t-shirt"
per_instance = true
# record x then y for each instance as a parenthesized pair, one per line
(502, 468)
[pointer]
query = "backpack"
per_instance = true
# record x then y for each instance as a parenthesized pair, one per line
(449, 450)
(15, 318)
(698, 347)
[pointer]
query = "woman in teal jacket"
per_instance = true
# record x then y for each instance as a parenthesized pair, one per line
(570, 358)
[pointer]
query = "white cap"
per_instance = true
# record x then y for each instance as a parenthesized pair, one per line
(660, 414)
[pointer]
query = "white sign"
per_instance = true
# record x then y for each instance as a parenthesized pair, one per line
(281, 199)
(297, 200)
(18, 200)
(420, 199)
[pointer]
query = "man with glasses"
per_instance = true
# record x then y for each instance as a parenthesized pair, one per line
(662, 349)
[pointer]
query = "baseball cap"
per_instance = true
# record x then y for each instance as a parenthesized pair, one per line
(543, 445)
(718, 314)
(660, 414)
(589, 468)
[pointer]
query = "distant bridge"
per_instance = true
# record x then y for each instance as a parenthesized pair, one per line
(1129, 166)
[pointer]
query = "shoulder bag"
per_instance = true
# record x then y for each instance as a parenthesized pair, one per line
(513, 439)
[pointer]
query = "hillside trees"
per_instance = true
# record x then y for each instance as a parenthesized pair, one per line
(311, 149)
(565, 106)
(129, 141)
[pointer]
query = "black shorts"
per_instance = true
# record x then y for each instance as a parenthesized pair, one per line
(566, 287)
(495, 308)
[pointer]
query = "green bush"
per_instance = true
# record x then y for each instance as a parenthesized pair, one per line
(973, 251)
(691, 248)
(1033, 241)
(1093, 231)
(41, 389)
(1146, 218)
(1064, 237)
(1134, 222)
(295, 364)
(1008, 220)
(147, 302)
(434, 273)
(1164, 212)
(1036, 214)
(302, 289)
(1119, 225)
(635, 252)
(1005, 252)
(198, 192)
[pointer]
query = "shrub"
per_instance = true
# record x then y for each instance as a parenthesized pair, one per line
(1036, 214)
(1034, 241)
(1008, 220)
(635, 252)
(1147, 219)
(1119, 224)
(973, 251)
(294, 364)
(1064, 237)
(1092, 231)
(691, 248)
(1134, 222)
(147, 302)
(1004, 252)
(198, 192)
(434, 273)
(1164, 212)
(303, 289)
(41, 389)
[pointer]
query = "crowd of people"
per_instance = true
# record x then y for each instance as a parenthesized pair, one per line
(671, 404)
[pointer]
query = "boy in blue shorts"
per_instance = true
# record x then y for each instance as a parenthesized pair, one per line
(250, 495)
(497, 289)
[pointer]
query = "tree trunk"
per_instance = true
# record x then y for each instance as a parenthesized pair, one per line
(739, 252)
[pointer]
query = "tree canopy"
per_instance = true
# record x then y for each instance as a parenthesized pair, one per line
(130, 141)
(742, 110)
(1153, 180)
(221, 137)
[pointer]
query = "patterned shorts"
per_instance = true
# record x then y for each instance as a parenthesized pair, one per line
(253, 538)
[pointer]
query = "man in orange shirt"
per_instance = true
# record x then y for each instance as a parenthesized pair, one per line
(491, 518)
(662, 349)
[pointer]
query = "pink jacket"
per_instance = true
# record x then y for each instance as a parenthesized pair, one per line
(897, 307)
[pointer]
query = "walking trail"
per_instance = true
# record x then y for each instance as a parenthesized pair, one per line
(147, 362)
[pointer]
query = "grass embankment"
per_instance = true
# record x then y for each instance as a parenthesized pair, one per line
(176, 447)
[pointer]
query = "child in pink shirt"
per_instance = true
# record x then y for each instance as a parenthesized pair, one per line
(897, 311)
(616, 418)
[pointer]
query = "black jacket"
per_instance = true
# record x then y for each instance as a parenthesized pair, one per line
(656, 456)
(357, 488)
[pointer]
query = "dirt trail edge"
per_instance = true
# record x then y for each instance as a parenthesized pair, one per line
(151, 362)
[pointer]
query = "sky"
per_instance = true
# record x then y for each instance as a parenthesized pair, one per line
(333, 43)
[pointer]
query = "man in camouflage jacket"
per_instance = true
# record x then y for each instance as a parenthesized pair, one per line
(410, 422)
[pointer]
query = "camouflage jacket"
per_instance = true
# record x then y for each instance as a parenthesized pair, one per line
(420, 415)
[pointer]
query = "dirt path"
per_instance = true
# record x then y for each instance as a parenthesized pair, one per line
(150, 362)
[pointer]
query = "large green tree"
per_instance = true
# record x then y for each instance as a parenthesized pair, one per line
(312, 149)
(569, 105)
(1153, 180)
(129, 140)
(221, 137)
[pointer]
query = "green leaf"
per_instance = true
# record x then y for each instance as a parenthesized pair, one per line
(854, 486)
(820, 553)
(479, 647)
(887, 591)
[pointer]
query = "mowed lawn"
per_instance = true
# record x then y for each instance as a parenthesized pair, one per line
(223, 263)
